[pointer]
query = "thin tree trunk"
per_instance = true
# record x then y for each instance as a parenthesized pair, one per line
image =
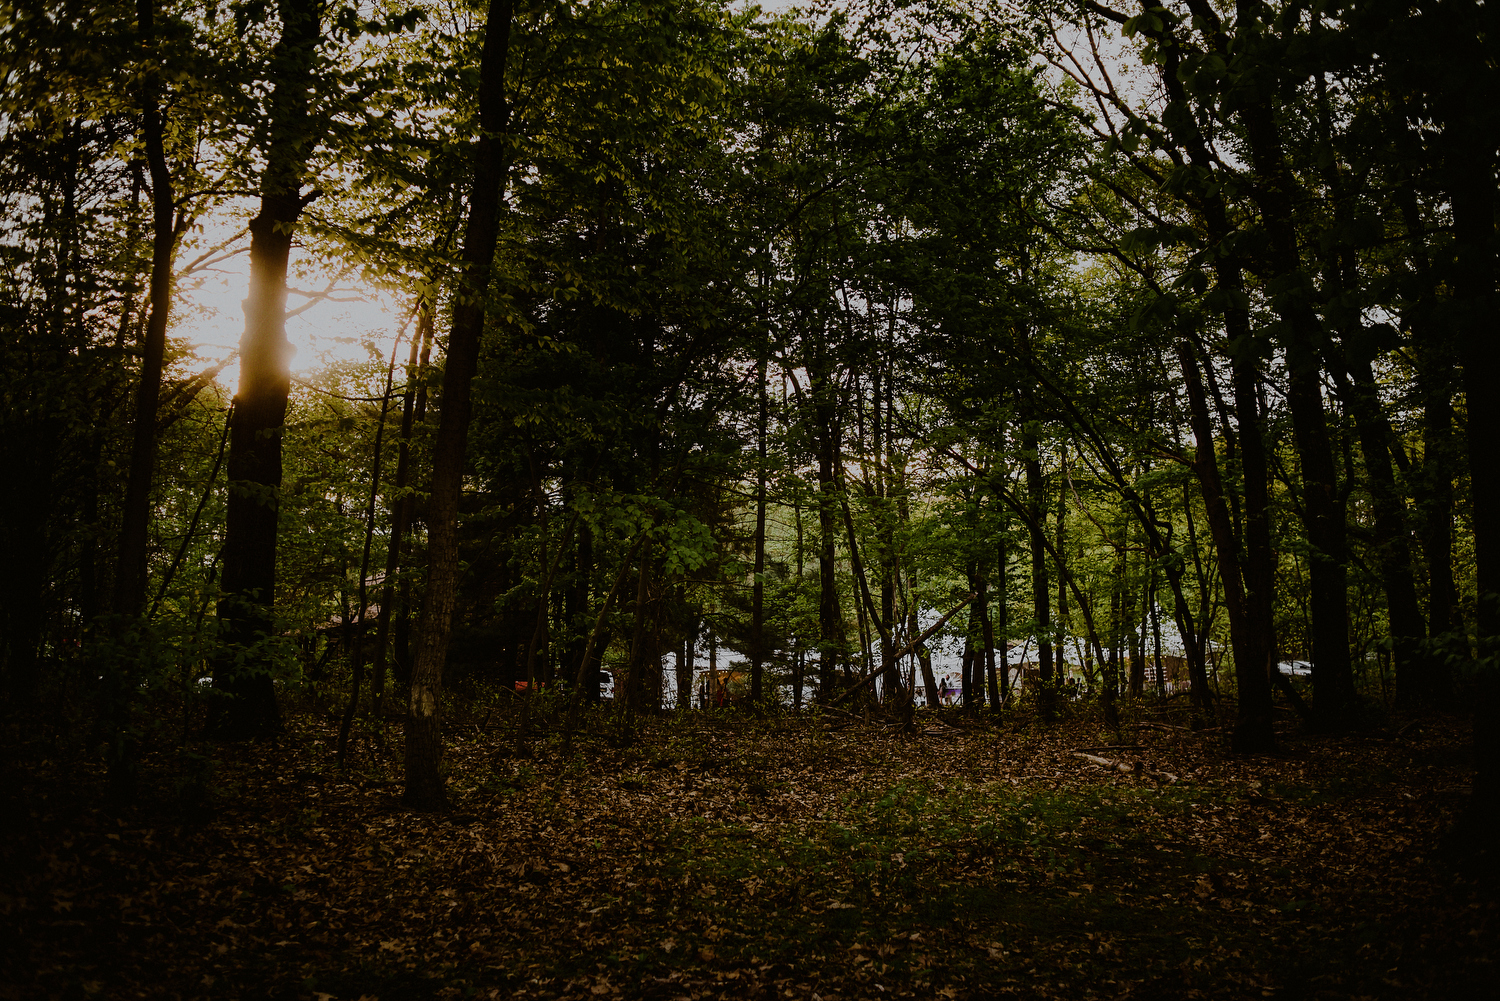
(575, 698)
(1393, 550)
(358, 651)
(1161, 681)
(987, 622)
(130, 575)
(1002, 692)
(1061, 559)
(635, 688)
(1041, 589)
(800, 659)
(830, 617)
(687, 662)
(401, 511)
(757, 598)
(424, 777)
(401, 629)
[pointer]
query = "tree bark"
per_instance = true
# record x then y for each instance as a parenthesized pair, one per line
(758, 589)
(1471, 168)
(1001, 692)
(130, 576)
(1041, 590)
(1392, 546)
(256, 423)
(424, 750)
(987, 623)
(401, 511)
(1253, 730)
(830, 617)
(401, 629)
(359, 651)
(1333, 678)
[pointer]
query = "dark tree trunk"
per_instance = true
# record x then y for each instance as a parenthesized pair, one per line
(687, 661)
(1471, 170)
(1333, 678)
(401, 511)
(830, 617)
(1253, 730)
(130, 575)
(635, 679)
(1001, 693)
(359, 651)
(256, 423)
(1393, 550)
(424, 749)
(757, 598)
(913, 628)
(1436, 378)
(1247, 648)
(1195, 635)
(1041, 589)
(401, 628)
(799, 661)
(1061, 632)
(1137, 684)
(966, 672)
(1151, 605)
(987, 622)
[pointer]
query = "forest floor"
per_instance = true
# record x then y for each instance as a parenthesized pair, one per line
(812, 857)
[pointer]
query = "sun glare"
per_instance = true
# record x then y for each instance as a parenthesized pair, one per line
(333, 320)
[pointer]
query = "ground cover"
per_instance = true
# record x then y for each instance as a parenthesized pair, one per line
(806, 857)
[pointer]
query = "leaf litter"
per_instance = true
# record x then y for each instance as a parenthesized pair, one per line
(795, 857)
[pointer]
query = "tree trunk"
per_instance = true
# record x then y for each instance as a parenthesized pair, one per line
(1151, 605)
(966, 671)
(1061, 632)
(1001, 693)
(687, 665)
(1221, 529)
(358, 652)
(401, 511)
(1253, 731)
(256, 423)
(401, 629)
(1041, 590)
(913, 627)
(757, 598)
(130, 575)
(986, 620)
(1436, 374)
(1333, 678)
(635, 678)
(424, 777)
(1472, 188)
(1137, 683)
(1393, 550)
(830, 617)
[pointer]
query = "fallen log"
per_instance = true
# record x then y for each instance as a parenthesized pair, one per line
(1128, 767)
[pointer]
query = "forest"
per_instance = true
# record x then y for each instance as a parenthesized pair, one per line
(931, 498)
